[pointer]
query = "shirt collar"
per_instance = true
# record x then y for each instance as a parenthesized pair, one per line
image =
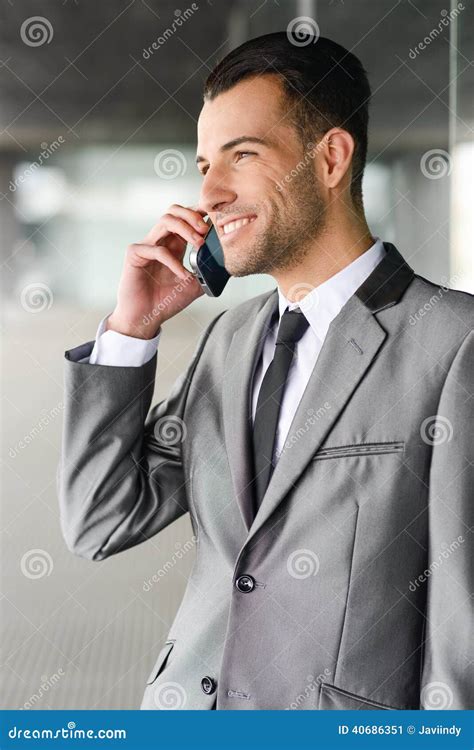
(321, 305)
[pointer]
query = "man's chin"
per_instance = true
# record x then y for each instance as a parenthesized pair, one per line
(241, 271)
(246, 262)
(237, 270)
(233, 263)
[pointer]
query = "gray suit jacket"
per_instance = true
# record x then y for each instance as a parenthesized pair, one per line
(352, 586)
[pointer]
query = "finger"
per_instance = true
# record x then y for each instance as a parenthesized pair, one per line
(170, 224)
(193, 215)
(192, 218)
(199, 210)
(161, 255)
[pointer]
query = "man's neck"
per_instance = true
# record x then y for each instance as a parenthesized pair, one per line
(328, 255)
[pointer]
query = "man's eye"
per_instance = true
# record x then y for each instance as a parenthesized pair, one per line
(244, 153)
(238, 154)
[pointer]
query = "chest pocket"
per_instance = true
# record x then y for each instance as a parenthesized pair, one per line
(359, 449)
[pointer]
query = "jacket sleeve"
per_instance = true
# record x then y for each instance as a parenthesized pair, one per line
(448, 675)
(120, 477)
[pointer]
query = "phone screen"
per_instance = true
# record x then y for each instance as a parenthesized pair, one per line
(208, 264)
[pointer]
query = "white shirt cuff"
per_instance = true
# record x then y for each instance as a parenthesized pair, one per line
(117, 349)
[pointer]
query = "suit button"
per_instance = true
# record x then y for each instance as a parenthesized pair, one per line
(208, 685)
(245, 584)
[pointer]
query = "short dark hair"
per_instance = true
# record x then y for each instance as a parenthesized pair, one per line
(325, 84)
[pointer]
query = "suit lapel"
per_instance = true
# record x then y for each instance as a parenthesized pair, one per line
(241, 361)
(353, 340)
(349, 348)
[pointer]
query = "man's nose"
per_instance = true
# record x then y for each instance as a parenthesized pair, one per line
(215, 192)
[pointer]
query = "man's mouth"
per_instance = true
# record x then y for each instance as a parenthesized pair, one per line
(232, 226)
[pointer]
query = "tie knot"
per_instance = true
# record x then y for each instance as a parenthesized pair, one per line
(292, 326)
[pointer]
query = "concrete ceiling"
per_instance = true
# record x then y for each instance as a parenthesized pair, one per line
(91, 83)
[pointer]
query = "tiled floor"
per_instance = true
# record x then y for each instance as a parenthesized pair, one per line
(75, 634)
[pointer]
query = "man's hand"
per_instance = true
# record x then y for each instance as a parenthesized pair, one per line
(154, 285)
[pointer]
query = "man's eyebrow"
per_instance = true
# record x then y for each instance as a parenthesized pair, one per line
(236, 142)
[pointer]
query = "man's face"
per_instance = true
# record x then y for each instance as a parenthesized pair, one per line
(257, 172)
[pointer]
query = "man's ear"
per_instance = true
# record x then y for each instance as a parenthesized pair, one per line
(337, 148)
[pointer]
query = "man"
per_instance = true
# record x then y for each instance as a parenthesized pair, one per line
(321, 436)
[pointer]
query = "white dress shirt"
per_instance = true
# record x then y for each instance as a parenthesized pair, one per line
(320, 306)
(113, 348)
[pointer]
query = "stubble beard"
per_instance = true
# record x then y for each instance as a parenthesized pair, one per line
(293, 225)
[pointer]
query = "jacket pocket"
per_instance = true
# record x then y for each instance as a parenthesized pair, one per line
(161, 661)
(335, 699)
(360, 449)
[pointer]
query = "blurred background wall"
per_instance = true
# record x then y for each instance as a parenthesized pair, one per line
(97, 138)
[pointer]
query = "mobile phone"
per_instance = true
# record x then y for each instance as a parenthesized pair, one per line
(207, 263)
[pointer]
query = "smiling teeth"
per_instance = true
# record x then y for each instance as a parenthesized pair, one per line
(236, 225)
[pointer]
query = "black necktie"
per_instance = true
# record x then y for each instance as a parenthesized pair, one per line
(292, 326)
